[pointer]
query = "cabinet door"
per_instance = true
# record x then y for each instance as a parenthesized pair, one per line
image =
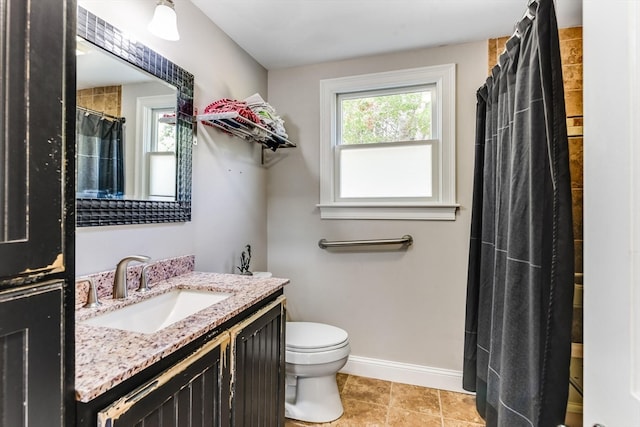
(30, 364)
(258, 368)
(192, 393)
(32, 108)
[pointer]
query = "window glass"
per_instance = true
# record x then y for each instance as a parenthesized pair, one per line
(386, 116)
(386, 171)
(164, 131)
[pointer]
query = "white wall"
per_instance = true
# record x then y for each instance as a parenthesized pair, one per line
(229, 185)
(611, 213)
(397, 306)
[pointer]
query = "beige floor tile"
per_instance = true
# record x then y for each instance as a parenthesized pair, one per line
(403, 418)
(341, 379)
(416, 399)
(456, 423)
(362, 414)
(370, 402)
(295, 423)
(573, 419)
(459, 406)
(367, 390)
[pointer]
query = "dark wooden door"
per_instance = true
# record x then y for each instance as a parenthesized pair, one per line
(192, 393)
(37, 146)
(258, 346)
(32, 145)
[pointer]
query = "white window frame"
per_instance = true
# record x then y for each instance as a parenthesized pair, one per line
(441, 208)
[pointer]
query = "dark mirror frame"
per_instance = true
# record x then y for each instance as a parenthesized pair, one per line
(96, 212)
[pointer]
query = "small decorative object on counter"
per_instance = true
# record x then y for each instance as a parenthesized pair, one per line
(245, 260)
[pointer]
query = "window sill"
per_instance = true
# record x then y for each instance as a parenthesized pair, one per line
(420, 212)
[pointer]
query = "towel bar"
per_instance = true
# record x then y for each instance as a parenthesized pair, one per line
(405, 240)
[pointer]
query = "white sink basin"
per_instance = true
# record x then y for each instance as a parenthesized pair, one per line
(158, 312)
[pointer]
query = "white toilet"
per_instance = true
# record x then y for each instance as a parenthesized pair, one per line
(315, 353)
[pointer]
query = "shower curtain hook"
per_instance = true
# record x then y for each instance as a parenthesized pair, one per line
(516, 32)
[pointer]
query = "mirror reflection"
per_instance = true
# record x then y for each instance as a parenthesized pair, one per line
(125, 129)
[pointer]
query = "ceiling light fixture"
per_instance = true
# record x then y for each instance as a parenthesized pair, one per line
(164, 23)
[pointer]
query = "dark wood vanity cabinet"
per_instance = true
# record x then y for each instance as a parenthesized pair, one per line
(192, 393)
(235, 378)
(258, 346)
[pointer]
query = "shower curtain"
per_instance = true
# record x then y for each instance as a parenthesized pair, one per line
(100, 156)
(520, 279)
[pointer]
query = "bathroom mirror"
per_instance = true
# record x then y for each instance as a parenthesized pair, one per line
(134, 133)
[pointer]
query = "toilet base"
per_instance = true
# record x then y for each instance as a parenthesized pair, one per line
(316, 399)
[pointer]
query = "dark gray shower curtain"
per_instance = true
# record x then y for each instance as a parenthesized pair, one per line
(100, 156)
(520, 280)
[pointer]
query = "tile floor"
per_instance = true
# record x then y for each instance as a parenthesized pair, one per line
(375, 403)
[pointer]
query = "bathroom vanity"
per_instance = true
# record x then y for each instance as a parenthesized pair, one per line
(222, 366)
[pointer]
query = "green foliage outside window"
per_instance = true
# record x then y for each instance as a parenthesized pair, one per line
(386, 118)
(166, 137)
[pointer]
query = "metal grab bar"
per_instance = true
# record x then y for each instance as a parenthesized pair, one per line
(405, 240)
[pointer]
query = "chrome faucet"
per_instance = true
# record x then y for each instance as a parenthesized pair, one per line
(120, 279)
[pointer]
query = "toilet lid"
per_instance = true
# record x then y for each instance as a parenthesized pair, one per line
(308, 335)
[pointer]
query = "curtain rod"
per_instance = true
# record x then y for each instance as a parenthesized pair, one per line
(100, 113)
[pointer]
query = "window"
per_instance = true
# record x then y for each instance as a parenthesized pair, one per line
(387, 145)
(163, 129)
(162, 154)
(156, 143)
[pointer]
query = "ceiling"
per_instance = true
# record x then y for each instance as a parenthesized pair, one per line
(286, 33)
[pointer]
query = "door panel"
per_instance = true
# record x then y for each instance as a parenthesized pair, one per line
(13, 347)
(32, 52)
(14, 68)
(30, 346)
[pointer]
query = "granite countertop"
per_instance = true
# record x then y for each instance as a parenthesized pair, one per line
(105, 357)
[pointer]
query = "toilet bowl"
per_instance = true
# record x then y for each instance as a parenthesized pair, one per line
(315, 352)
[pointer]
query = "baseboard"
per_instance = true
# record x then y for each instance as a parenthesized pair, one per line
(405, 373)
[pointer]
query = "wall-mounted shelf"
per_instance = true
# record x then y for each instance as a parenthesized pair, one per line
(235, 124)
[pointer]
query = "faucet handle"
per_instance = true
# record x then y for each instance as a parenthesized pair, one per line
(92, 295)
(144, 279)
